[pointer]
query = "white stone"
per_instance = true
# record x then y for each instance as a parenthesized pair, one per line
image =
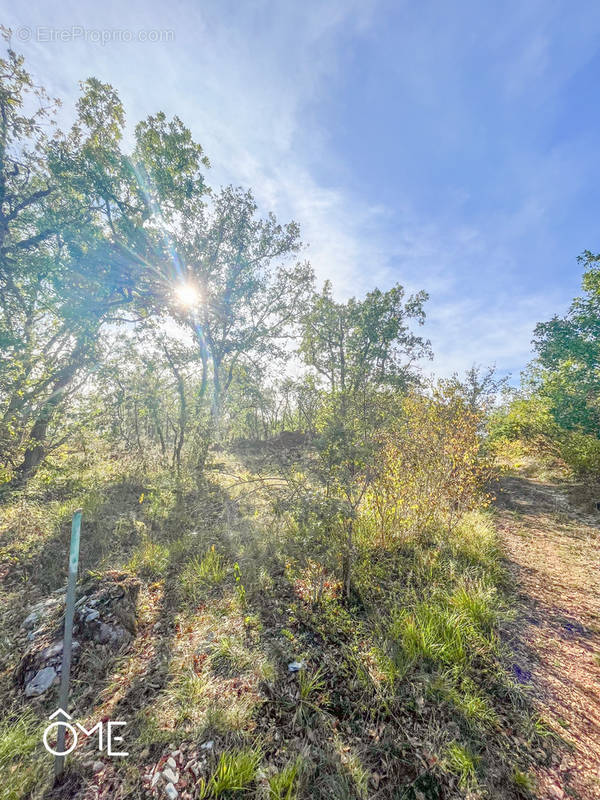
(171, 791)
(170, 775)
(41, 682)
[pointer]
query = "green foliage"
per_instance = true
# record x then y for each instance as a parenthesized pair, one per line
(568, 353)
(20, 737)
(525, 417)
(201, 573)
(431, 468)
(462, 763)
(239, 586)
(235, 772)
(150, 560)
(284, 784)
(363, 342)
(524, 783)
(581, 452)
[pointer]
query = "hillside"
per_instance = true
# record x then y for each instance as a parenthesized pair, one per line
(245, 666)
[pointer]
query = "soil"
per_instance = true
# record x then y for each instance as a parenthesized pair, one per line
(552, 542)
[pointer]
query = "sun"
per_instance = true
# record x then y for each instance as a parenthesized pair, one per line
(187, 295)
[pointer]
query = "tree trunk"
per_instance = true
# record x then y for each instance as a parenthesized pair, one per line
(37, 448)
(347, 569)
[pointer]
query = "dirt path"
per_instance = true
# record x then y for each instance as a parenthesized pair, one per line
(554, 555)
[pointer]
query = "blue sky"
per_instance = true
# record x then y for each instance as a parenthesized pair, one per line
(449, 146)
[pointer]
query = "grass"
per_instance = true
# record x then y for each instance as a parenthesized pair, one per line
(462, 763)
(284, 784)
(200, 573)
(523, 782)
(150, 560)
(235, 772)
(409, 673)
(20, 738)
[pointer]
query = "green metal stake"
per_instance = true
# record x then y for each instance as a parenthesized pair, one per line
(63, 701)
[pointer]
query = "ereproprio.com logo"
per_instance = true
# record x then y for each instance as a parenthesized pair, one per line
(73, 727)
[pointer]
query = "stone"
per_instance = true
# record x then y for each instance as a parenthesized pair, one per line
(31, 620)
(52, 651)
(49, 653)
(170, 776)
(106, 634)
(81, 600)
(38, 610)
(171, 763)
(171, 791)
(296, 666)
(97, 766)
(92, 615)
(207, 745)
(155, 779)
(41, 682)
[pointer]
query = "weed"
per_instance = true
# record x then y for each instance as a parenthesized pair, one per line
(239, 586)
(19, 739)
(284, 784)
(462, 763)
(150, 560)
(310, 687)
(524, 783)
(200, 573)
(235, 771)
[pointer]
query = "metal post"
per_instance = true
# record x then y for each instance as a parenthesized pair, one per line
(63, 701)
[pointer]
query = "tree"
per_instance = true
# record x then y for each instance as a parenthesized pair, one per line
(361, 350)
(83, 243)
(363, 343)
(567, 368)
(249, 293)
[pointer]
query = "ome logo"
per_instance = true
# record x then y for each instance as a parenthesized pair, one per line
(60, 718)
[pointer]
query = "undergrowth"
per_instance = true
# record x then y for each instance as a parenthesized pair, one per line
(402, 692)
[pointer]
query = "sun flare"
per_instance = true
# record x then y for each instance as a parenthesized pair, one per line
(187, 295)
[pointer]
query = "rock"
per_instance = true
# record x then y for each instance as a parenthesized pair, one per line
(97, 766)
(107, 634)
(81, 600)
(92, 615)
(52, 651)
(33, 634)
(32, 619)
(296, 666)
(207, 745)
(170, 776)
(40, 610)
(155, 779)
(171, 791)
(172, 763)
(41, 682)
